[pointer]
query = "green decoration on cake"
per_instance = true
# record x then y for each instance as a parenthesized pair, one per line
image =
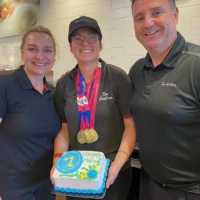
(89, 173)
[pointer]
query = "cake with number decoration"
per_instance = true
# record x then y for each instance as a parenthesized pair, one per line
(82, 172)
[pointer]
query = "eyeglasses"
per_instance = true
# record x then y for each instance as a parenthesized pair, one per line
(91, 38)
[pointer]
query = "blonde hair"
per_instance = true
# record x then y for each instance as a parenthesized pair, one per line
(39, 29)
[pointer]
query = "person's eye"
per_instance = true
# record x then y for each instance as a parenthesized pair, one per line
(48, 50)
(91, 37)
(157, 13)
(139, 19)
(78, 38)
(31, 49)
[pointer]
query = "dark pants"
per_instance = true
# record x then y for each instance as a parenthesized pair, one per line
(151, 190)
(16, 190)
(118, 190)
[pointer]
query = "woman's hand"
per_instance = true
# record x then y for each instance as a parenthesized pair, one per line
(126, 147)
(112, 174)
(61, 144)
(51, 173)
(61, 141)
(53, 169)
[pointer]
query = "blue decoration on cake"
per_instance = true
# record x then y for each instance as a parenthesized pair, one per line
(69, 162)
(92, 174)
(71, 190)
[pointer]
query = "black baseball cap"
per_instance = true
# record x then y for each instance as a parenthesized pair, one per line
(84, 21)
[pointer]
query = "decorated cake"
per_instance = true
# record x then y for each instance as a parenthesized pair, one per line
(82, 172)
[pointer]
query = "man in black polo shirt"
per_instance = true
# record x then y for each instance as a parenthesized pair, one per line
(166, 104)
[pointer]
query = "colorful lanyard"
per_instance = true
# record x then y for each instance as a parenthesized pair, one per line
(87, 98)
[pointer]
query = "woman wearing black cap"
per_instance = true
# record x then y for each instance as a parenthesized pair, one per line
(107, 91)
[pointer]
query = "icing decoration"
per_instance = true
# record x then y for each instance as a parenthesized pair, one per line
(92, 174)
(71, 190)
(69, 162)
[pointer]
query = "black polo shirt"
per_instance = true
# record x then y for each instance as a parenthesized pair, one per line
(166, 109)
(115, 95)
(30, 123)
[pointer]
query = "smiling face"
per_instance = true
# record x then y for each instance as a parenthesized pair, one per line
(38, 54)
(155, 24)
(85, 52)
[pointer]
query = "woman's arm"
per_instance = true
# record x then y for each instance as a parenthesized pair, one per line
(127, 146)
(61, 144)
(1, 120)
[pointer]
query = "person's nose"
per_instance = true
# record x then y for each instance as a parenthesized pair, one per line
(148, 21)
(85, 41)
(40, 55)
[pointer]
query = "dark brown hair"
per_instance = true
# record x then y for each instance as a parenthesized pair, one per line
(171, 2)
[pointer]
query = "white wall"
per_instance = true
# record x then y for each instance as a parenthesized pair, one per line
(114, 16)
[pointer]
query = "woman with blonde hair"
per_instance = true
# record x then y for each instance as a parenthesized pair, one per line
(29, 121)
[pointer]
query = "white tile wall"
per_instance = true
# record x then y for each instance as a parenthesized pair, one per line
(189, 11)
(184, 23)
(117, 13)
(123, 32)
(120, 46)
(120, 4)
(196, 22)
(128, 21)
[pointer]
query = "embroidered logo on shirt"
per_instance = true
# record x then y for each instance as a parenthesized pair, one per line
(168, 84)
(104, 97)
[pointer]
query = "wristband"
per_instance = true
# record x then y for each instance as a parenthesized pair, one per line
(124, 152)
(57, 155)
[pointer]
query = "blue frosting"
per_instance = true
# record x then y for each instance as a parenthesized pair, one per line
(92, 174)
(71, 190)
(69, 162)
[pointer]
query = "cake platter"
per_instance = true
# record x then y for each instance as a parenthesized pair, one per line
(91, 196)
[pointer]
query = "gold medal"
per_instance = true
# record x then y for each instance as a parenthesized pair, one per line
(81, 137)
(95, 135)
(89, 136)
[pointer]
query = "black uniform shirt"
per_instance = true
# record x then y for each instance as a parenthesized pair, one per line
(115, 94)
(30, 123)
(166, 109)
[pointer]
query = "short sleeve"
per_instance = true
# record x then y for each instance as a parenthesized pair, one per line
(131, 73)
(60, 101)
(3, 95)
(124, 94)
(196, 79)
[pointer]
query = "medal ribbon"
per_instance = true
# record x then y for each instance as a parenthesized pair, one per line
(87, 98)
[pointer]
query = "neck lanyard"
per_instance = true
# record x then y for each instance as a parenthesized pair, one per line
(87, 98)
